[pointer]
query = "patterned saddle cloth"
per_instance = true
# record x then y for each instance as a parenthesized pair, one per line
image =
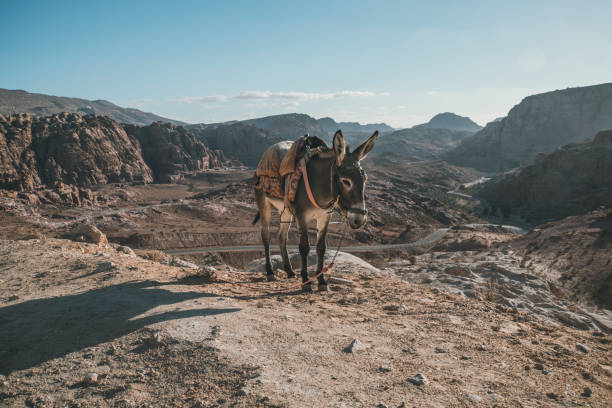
(279, 171)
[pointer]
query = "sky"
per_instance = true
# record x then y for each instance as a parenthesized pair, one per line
(398, 62)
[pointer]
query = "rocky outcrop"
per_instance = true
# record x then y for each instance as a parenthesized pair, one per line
(330, 126)
(62, 156)
(170, 150)
(18, 101)
(574, 254)
(573, 180)
(289, 126)
(239, 141)
(448, 120)
(67, 149)
(539, 124)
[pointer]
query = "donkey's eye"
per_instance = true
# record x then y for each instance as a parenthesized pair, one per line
(347, 183)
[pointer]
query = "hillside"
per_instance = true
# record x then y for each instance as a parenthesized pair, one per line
(572, 180)
(18, 101)
(539, 124)
(242, 142)
(419, 142)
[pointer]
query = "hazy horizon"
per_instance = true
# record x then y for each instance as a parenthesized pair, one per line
(400, 63)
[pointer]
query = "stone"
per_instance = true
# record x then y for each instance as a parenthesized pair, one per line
(474, 397)
(418, 380)
(183, 264)
(384, 369)
(582, 348)
(91, 378)
(459, 271)
(89, 233)
(355, 347)
(126, 250)
(587, 392)
(105, 266)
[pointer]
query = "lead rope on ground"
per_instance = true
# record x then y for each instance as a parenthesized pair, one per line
(325, 270)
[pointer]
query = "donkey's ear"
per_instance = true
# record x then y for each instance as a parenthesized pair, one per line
(362, 151)
(339, 147)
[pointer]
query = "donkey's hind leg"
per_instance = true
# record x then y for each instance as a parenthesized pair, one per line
(265, 211)
(285, 224)
(304, 246)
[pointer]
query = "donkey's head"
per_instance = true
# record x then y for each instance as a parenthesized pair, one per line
(350, 178)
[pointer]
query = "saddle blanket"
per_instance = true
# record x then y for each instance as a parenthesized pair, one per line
(280, 177)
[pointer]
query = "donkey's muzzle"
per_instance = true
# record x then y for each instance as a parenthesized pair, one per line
(356, 217)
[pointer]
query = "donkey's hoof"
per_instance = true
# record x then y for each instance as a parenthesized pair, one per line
(322, 288)
(307, 288)
(270, 277)
(291, 275)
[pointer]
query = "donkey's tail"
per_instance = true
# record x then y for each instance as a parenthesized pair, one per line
(257, 216)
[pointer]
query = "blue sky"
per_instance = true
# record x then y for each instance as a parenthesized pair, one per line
(396, 62)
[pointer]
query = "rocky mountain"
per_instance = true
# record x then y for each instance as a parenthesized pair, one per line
(18, 101)
(419, 142)
(572, 180)
(238, 141)
(539, 124)
(448, 120)
(83, 151)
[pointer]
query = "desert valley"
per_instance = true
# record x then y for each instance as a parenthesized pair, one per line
(132, 275)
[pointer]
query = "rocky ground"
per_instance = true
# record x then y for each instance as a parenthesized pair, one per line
(95, 325)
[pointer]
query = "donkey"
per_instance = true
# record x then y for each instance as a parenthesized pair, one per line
(334, 178)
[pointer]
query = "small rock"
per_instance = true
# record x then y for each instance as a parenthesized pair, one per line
(13, 297)
(381, 405)
(124, 402)
(4, 384)
(582, 348)
(587, 392)
(91, 378)
(126, 250)
(391, 307)
(215, 330)
(354, 347)
(552, 395)
(241, 392)
(105, 266)
(339, 281)
(89, 233)
(459, 271)
(538, 366)
(439, 350)
(418, 379)
(183, 264)
(482, 347)
(288, 318)
(474, 397)
(384, 369)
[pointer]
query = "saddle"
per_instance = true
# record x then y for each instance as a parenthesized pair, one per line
(279, 175)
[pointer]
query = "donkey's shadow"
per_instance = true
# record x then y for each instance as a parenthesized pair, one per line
(39, 330)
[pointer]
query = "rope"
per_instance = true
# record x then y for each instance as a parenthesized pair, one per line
(325, 270)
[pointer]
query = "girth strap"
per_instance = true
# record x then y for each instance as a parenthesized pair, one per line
(309, 190)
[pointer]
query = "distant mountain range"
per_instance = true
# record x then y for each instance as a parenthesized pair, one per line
(539, 124)
(18, 101)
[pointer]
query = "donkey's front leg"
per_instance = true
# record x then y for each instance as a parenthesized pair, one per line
(304, 249)
(322, 224)
(286, 219)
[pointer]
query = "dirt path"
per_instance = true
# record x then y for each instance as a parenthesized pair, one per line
(429, 239)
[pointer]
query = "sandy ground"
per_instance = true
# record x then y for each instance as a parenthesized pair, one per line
(157, 335)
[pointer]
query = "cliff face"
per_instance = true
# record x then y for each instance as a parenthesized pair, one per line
(67, 148)
(539, 124)
(170, 150)
(573, 180)
(448, 120)
(82, 151)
